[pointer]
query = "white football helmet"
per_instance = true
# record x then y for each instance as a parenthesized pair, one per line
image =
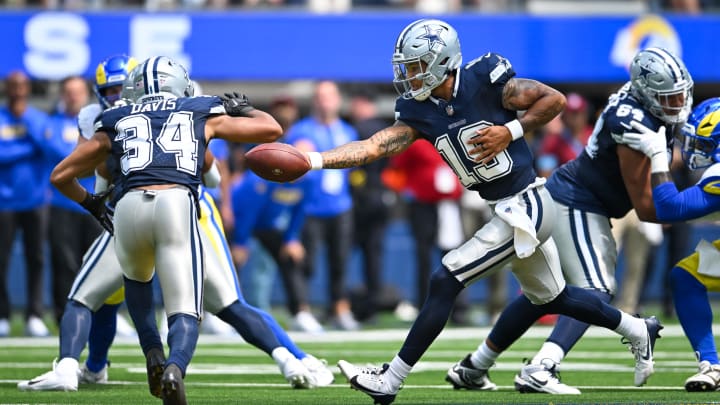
(434, 42)
(662, 84)
(158, 77)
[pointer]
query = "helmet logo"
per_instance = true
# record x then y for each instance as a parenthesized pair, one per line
(644, 71)
(432, 36)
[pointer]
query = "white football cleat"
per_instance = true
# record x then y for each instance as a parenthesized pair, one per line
(319, 371)
(543, 378)
(63, 377)
(707, 379)
(89, 377)
(643, 351)
(371, 381)
(464, 375)
(297, 374)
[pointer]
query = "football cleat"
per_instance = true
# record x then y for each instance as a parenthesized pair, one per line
(173, 387)
(543, 378)
(370, 380)
(465, 375)
(89, 377)
(63, 377)
(155, 363)
(707, 379)
(319, 371)
(297, 374)
(643, 350)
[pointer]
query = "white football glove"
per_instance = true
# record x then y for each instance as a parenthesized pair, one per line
(652, 144)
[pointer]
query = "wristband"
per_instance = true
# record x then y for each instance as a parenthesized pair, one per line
(659, 163)
(316, 160)
(516, 129)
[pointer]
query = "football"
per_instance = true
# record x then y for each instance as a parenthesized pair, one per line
(277, 162)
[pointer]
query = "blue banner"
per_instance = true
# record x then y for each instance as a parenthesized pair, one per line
(350, 47)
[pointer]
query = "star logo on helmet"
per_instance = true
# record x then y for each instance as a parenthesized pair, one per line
(644, 71)
(432, 36)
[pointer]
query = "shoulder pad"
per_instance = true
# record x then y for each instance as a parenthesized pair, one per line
(494, 66)
(206, 104)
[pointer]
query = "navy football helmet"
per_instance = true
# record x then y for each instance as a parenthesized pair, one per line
(112, 72)
(700, 136)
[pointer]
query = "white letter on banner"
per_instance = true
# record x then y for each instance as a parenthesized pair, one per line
(57, 45)
(160, 35)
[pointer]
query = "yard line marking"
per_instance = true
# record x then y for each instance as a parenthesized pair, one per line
(345, 386)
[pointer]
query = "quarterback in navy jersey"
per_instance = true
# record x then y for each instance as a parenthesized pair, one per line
(470, 114)
(605, 181)
(159, 140)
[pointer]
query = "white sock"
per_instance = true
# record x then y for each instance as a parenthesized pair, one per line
(397, 372)
(484, 357)
(631, 327)
(281, 355)
(549, 350)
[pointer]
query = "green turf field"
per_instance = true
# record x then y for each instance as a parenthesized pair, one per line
(228, 371)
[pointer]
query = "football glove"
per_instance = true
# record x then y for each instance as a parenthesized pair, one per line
(95, 205)
(236, 104)
(652, 144)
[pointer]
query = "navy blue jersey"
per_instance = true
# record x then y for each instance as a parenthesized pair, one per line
(160, 142)
(476, 104)
(593, 182)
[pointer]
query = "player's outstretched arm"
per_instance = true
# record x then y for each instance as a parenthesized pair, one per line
(386, 142)
(257, 127)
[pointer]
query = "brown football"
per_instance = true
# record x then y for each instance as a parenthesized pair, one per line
(277, 162)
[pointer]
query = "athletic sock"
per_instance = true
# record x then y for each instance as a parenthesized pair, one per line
(483, 358)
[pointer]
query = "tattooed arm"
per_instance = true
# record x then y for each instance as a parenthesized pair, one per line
(386, 142)
(541, 102)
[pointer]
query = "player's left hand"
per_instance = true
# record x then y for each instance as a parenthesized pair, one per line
(95, 204)
(489, 142)
(237, 104)
(646, 140)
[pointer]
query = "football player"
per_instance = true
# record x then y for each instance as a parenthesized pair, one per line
(470, 113)
(605, 181)
(249, 321)
(696, 275)
(100, 277)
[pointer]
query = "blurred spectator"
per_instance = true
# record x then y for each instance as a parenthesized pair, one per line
(24, 183)
(273, 213)
(329, 208)
(72, 229)
(371, 208)
(565, 136)
(285, 111)
(426, 181)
